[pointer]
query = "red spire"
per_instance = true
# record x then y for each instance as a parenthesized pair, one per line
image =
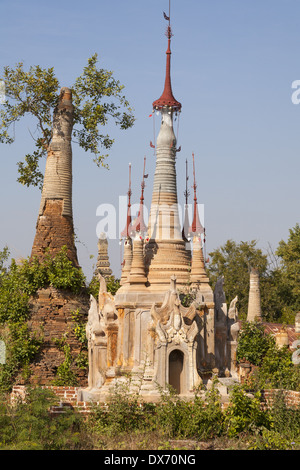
(139, 224)
(167, 98)
(127, 230)
(196, 227)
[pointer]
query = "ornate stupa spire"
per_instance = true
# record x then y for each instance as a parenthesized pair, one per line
(103, 264)
(185, 229)
(198, 273)
(139, 225)
(196, 228)
(166, 253)
(127, 258)
(127, 229)
(167, 97)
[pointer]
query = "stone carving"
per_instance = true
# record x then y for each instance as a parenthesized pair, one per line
(233, 332)
(93, 326)
(180, 325)
(220, 300)
(100, 331)
(175, 328)
(233, 323)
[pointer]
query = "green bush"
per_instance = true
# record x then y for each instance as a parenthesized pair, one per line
(65, 376)
(28, 425)
(21, 348)
(112, 285)
(253, 343)
(200, 418)
(283, 434)
(24, 279)
(277, 370)
(62, 274)
(123, 413)
(124, 421)
(18, 283)
(244, 413)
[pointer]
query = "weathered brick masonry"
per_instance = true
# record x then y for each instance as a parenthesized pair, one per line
(51, 309)
(68, 397)
(51, 316)
(54, 231)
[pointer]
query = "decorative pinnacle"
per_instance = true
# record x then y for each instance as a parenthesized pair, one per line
(127, 229)
(196, 227)
(186, 192)
(167, 98)
(139, 224)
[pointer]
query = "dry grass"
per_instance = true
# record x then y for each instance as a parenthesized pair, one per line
(157, 441)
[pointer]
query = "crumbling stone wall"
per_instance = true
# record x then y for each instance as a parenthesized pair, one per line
(51, 317)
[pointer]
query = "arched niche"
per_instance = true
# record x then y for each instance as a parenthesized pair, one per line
(177, 371)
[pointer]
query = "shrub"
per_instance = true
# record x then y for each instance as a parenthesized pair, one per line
(22, 346)
(283, 434)
(112, 285)
(244, 413)
(277, 370)
(28, 425)
(18, 283)
(62, 274)
(253, 343)
(65, 376)
(123, 413)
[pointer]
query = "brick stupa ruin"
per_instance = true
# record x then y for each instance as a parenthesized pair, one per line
(55, 228)
(52, 309)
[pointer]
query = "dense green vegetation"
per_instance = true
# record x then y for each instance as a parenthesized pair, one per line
(18, 282)
(273, 367)
(127, 423)
(279, 275)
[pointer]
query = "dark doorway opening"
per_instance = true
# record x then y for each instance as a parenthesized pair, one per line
(176, 358)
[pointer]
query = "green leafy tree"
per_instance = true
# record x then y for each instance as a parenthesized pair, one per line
(289, 259)
(4, 255)
(97, 98)
(253, 343)
(244, 413)
(278, 371)
(233, 261)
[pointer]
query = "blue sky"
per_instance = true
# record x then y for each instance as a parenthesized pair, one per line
(233, 64)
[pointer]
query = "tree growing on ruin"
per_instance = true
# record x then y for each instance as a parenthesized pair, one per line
(97, 98)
